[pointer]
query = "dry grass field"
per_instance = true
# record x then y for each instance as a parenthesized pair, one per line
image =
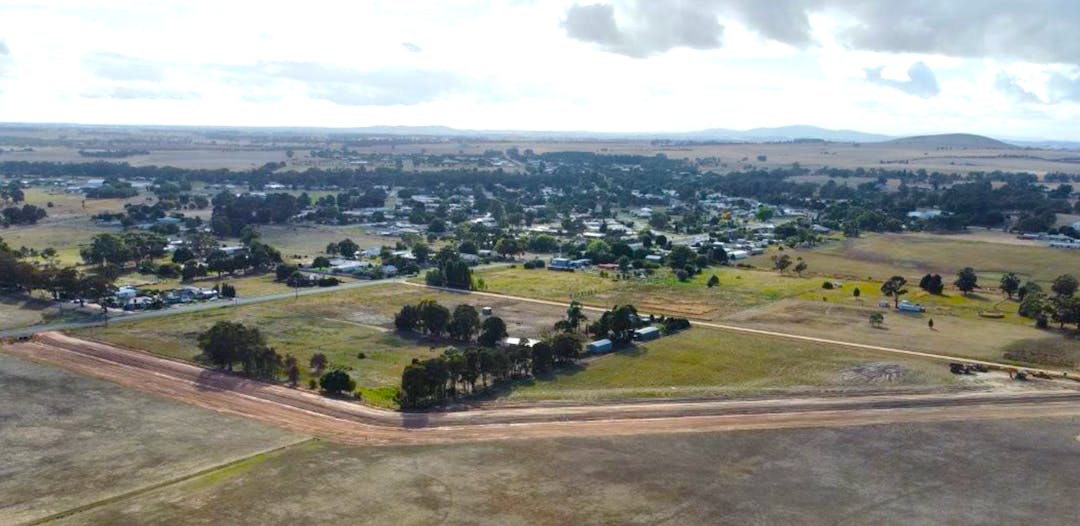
(940, 473)
(711, 362)
(879, 256)
(340, 325)
(69, 441)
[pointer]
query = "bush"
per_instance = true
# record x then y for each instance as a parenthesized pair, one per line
(827, 285)
(337, 381)
(361, 355)
(534, 264)
(313, 384)
(328, 282)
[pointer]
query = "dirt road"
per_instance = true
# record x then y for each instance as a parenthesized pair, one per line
(772, 334)
(352, 423)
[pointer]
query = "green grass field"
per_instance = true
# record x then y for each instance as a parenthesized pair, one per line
(703, 361)
(739, 289)
(878, 256)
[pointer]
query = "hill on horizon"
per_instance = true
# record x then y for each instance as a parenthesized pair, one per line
(951, 140)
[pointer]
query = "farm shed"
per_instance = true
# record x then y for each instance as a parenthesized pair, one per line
(599, 346)
(645, 334)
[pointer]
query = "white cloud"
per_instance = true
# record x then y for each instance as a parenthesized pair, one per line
(611, 65)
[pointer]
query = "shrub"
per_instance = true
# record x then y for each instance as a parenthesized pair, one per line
(827, 285)
(361, 355)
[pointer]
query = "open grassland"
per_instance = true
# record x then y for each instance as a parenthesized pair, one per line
(303, 242)
(66, 236)
(951, 335)
(926, 473)
(739, 289)
(951, 303)
(703, 361)
(340, 325)
(69, 440)
(66, 205)
(877, 257)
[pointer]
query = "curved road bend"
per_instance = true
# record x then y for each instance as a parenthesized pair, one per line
(349, 422)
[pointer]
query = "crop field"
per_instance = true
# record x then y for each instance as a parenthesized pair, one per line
(663, 294)
(879, 256)
(340, 325)
(704, 361)
(928, 473)
(69, 440)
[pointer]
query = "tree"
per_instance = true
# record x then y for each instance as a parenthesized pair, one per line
(1027, 289)
(318, 362)
(856, 292)
(227, 343)
(566, 347)
(1064, 285)
(713, 281)
(680, 257)
(433, 317)
(292, 369)
(932, 283)
(492, 331)
(967, 280)
(348, 248)
(337, 381)
(763, 213)
(1010, 283)
(464, 323)
(543, 358)
(407, 319)
(876, 319)
(575, 315)
(800, 267)
(894, 287)
(321, 262)
(781, 262)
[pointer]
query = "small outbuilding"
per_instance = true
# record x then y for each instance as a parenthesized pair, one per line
(599, 346)
(645, 334)
(486, 311)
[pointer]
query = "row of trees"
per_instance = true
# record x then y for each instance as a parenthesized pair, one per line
(25, 215)
(1061, 307)
(461, 325)
(457, 372)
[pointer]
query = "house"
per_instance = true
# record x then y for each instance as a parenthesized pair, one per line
(389, 271)
(125, 293)
(924, 213)
(645, 334)
(471, 259)
(94, 183)
(581, 263)
(198, 293)
(654, 258)
(738, 254)
(599, 346)
(139, 303)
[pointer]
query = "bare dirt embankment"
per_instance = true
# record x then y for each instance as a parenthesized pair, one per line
(352, 423)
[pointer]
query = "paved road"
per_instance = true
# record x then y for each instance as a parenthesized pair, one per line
(305, 412)
(774, 334)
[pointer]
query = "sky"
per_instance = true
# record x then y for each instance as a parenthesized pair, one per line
(1006, 68)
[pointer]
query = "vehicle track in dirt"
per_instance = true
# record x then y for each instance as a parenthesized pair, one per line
(348, 422)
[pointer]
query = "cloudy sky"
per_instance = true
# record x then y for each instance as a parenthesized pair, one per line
(1000, 67)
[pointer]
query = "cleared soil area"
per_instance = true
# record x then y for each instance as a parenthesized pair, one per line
(996, 472)
(69, 440)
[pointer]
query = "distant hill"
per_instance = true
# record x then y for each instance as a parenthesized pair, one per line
(950, 140)
(789, 133)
